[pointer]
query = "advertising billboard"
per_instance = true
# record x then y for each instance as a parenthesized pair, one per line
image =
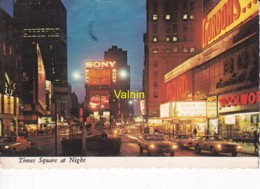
(179, 88)
(94, 100)
(227, 15)
(98, 77)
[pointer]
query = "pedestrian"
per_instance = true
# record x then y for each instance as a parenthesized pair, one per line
(195, 132)
(256, 140)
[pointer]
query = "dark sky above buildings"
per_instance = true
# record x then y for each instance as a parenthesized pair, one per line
(94, 26)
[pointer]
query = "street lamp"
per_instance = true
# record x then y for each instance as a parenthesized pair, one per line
(124, 75)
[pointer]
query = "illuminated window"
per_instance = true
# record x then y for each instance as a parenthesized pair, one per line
(168, 51)
(155, 39)
(192, 17)
(175, 49)
(155, 51)
(167, 17)
(174, 38)
(185, 16)
(167, 39)
(192, 49)
(155, 17)
(155, 95)
(185, 49)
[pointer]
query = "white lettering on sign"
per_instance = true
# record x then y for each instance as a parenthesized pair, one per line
(96, 64)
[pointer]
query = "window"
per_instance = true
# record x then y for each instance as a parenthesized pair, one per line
(155, 84)
(155, 95)
(155, 64)
(155, 51)
(155, 39)
(167, 39)
(192, 49)
(167, 17)
(155, 28)
(185, 49)
(174, 28)
(191, 5)
(174, 38)
(155, 17)
(185, 6)
(185, 28)
(192, 17)
(155, 74)
(185, 16)
(175, 49)
(168, 51)
(175, 16)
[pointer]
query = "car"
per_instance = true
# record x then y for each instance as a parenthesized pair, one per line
(217, 144)
(156, 144)
(13, 144)
(185, 141)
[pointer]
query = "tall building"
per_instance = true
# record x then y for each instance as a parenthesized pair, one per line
(124, 107)
(10, 77)
(223, 78)
(173, 35)
(45, 23)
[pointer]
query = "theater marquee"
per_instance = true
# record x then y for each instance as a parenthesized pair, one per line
(227, 15)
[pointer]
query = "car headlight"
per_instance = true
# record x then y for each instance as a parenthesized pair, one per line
(7, 147)
(174, 146)
(239, 147)
(219, 146)
(152, 146)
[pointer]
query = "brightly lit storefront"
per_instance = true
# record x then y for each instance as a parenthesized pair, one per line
(239, 114)
(183, 117)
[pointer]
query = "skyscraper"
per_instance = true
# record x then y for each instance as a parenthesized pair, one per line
(173, 35)
(10, 76)
(123, 82)
(45, 22)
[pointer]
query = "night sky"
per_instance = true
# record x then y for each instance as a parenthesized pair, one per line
(94, 26)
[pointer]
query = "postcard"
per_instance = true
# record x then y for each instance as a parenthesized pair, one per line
(134, 84)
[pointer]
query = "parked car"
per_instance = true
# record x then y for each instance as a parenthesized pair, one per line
(217, 144)
(156, 144)
(13, 144)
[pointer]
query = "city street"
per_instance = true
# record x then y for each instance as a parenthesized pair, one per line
(45, 146)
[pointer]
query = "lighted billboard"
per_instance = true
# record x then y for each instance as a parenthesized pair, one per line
(179, 88)
(94, 99)
(227, 15)
(98, 77)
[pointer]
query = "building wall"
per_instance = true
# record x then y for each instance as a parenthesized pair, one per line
(10, 76)
(45, 22)
(227, 70)
(120, 56)
(173, 35)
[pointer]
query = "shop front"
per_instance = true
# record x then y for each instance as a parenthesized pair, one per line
(239, 114)
(185, 117)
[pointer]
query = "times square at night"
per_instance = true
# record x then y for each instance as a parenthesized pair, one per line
(179, 78)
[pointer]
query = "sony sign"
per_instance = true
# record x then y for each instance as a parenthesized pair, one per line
(97, 64)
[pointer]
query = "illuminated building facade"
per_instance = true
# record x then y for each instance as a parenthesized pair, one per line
(45, 22)
(225, 74)
(121, 108)
(10, 77)
(173, 35)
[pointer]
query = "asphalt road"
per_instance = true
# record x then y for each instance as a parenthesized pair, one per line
(45, 146)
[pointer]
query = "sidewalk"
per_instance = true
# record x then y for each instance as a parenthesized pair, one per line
(248, 148)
